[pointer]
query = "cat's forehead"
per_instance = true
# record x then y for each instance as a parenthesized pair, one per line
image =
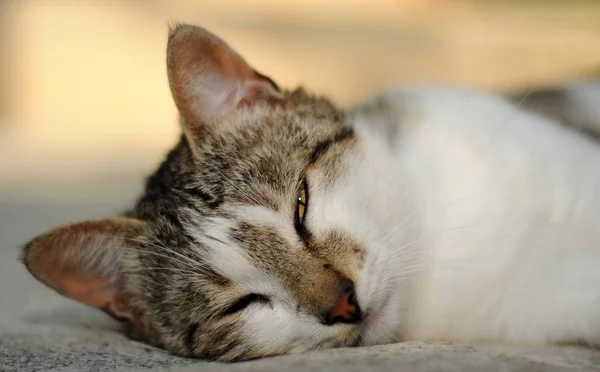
(294, 124)
(263, 158)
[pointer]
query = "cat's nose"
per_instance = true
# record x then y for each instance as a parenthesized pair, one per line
(346, 310)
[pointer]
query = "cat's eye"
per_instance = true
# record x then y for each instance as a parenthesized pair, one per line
(246, 301)
(301, 206)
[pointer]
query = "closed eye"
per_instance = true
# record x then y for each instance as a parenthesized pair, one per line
(244, 302)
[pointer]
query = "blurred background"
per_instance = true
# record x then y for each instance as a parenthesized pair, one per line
(85, 108)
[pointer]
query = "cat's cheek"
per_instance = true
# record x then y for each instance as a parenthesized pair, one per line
(280, 331)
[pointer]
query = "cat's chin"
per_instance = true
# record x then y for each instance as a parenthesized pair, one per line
(375, 333)
(381, 322)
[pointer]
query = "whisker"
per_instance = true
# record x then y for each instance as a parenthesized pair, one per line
(446, 264)
(153, 269)
(386, 239)
(215, 239)
(524, 98)
(405, 258)
(453, 229)
(147, 251)
(184, 259)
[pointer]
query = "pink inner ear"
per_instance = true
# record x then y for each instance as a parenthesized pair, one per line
(82, 261)
(94, 291)
(208, 79)
(99, 292)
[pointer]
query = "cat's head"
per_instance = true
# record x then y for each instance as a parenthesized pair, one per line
(265, 231)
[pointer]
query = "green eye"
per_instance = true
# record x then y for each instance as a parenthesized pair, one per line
(301, 208)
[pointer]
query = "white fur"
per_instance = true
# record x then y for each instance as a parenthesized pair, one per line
(224, 256)
(507, 205)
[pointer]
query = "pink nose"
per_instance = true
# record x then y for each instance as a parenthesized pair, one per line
(346, 310)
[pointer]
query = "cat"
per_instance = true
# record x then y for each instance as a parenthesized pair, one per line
(280, 223)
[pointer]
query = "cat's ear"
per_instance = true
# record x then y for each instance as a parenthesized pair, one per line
(209, 80)
(83, 261)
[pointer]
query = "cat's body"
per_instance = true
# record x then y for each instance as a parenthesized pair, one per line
(281, 224)
(506, 219)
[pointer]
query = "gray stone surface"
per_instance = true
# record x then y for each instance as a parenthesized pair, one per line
(418, 356)
(41, 331)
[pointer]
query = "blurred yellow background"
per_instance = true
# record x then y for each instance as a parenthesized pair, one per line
(84, 97)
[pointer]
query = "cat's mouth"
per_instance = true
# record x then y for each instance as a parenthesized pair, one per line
(363, 333)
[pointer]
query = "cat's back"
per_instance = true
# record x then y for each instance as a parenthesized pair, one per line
(574, 107)
(463, 144)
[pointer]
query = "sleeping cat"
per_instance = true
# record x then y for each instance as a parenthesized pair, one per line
(280, 223)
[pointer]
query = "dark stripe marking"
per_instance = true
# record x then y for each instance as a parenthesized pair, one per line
(323, 146)
(190, 337)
